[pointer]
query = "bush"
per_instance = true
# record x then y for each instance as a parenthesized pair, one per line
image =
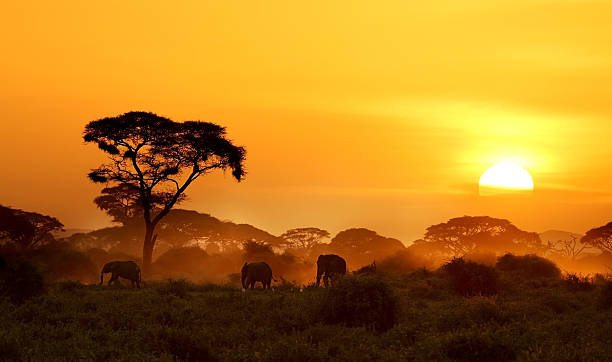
(69, 286)
(470, 278)
(21, 280)
(184, 345)
(178, 288)
(576, 282)
(528, 266)
(606, 294)
(360, 301)
(474, 347)
(60, 261)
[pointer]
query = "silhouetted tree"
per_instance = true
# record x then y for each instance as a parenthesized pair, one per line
(122, 202)
(600, 238)
(161, 158)
(569, 248)
(304, 238)
(462, 235)
(362, 246)
(27, 230)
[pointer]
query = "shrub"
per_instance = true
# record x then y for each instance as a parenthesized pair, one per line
(60, 262)
(473, 347)
(178, 288)
(182, 344)
(528, 266)
(21, 280)
(470, 278)
(360, 301)
(69, 286)
(576, 282)
(606, 294)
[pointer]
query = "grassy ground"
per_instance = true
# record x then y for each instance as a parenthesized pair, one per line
(526, 320)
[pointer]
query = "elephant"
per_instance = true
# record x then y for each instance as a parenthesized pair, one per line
(328, 265)
(125, 269)
(256, 272)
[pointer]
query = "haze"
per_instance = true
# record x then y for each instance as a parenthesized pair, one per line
(353, 115)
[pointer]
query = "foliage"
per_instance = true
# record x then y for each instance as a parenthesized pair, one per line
(123, 203)
(26, 230)
(606, 294)
(361, 246)
(178, 288)
(217, 322)
(528, 266)
(600, 237)
(577, 282)
(304, 238)
(21, 280)
(360, 301)
(470, 278)
(462, 235)
(160, 158)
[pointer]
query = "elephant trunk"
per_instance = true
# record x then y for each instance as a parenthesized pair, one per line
(243, 280)
(101, 278)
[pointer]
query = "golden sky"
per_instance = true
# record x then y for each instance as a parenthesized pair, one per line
(353, 114)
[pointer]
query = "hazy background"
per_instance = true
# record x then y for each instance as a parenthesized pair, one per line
(382, 116)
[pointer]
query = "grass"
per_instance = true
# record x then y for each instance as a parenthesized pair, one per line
(175, 320)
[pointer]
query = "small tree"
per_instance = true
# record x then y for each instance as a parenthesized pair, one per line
(600, 238)
(27, 229)
(161, 158)
(304, 238)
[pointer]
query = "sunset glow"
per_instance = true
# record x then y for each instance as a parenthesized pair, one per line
(506, 176)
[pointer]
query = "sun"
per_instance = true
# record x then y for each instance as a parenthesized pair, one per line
(505, 177)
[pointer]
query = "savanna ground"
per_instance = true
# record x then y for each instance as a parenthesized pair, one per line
(504, 314)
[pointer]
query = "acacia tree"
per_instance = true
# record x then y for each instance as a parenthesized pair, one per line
(600, 238)
(25, 229)
(122, 202)
(461, 235)
(569, 248)
(304, 238)
(161, 158)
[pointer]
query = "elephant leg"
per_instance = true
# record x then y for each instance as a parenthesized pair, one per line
(318, 279)
(326, 280)
(113, 278)
(252, 282)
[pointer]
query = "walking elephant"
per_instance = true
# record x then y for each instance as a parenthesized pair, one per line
(328, 265)
(125, 269)
(256, 272)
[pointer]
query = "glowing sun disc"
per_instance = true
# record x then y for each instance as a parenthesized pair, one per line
(506, 176)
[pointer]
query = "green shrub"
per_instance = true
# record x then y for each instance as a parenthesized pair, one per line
(528, 266)
(21, 280)
(360, 301)
(469, 278)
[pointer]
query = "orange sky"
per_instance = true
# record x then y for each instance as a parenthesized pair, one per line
(352, 114)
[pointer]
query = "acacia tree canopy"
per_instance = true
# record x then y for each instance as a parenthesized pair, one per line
(600, 238)
(27, 229)
(160, 158)
(462, 235)
(304, 238)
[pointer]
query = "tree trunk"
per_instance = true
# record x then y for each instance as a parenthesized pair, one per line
(147, 249)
